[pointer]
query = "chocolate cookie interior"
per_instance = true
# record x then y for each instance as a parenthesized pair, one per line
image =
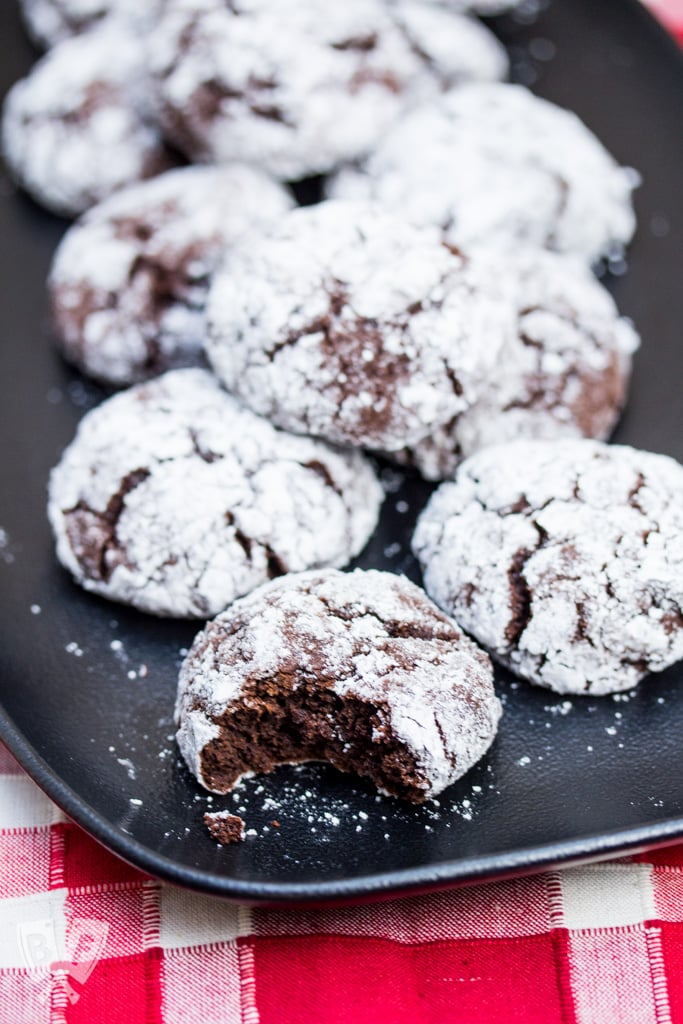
(357, 669)
(286, 725)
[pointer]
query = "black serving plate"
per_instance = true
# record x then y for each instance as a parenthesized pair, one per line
(87, 688)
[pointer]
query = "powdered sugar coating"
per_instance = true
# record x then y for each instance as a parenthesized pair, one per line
(494, 161)
(51, 21)
(366, 635)
(563, 373)
(300, 86)
(78, 127)
(347, 323)
(564, 559)
(129, 280)
(175, 499)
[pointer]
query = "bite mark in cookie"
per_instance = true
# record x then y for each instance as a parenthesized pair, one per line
(357, 669)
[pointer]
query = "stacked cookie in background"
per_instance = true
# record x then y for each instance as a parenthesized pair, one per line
(436, 308)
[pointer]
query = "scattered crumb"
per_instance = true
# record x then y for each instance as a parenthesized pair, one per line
(36, 609)
(126, 763)
(225, 827)
(6, 554)
(559, 709)
(275, 823)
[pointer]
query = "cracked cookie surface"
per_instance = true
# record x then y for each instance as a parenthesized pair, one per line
(359, 669)
(346, 323)
(129, 281)
(300, 86)
(492, 161)
(563, 373)
(176, 499)
(564, 559)
(79, 127)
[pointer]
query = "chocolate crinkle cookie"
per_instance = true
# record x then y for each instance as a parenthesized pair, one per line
(564, 559)
(299, 86)
(79, 126)
(492, 161)
(175, 499)
(51, 21)
(357, 669)
(129, 280)
(564, 371)
(347, 323)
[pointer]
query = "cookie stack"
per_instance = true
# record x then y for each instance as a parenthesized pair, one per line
(436, 308)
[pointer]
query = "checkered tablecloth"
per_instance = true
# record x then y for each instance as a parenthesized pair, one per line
(85, 938)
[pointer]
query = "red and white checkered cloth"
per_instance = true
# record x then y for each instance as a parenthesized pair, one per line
(84, 939)
(671, 13)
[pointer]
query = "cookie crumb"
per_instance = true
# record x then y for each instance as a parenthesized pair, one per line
(225, 827)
